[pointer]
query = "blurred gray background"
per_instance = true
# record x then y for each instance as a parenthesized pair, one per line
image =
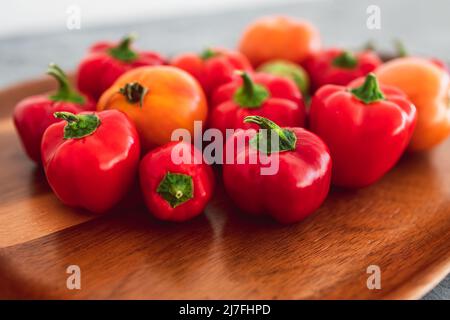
(34, 33)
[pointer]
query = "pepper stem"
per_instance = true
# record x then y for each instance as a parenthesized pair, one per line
(78, 126)
(287, 138)
(65, 91)
(123, 50)
(134, 92)
(400, 48)
(68, 116)
(249, 85)
(250, 94)
(370, 46)
(346, 60)
(176, 188)
(369, 91)
(208, 53)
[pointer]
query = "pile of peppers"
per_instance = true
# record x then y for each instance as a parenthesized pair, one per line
(327, 116)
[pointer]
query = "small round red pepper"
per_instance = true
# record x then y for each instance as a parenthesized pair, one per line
(175, 191)
(107, 61)
(259, 94)
(367, 128)
(336, 66)
(213, 67)
(295, 189)
(90, 160)
(34, 114)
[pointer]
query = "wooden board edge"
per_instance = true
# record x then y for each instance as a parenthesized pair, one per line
(423, 282)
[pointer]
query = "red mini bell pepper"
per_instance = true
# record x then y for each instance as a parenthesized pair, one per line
(90, 160)
(367, 128)
(213, 67)
(260, 94)
(175, 191)
(336, 66)
(34, 114)
(295, 189)
(107, 61)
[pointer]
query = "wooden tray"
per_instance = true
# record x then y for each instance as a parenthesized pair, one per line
(401, 224)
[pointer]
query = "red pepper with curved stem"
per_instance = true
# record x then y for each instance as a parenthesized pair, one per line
(175, 191)
(296, 187)
(34, 114)
(213, 67)
(367, 129)
(259, 94)
(340, 67)
(90, 159)
(107, 61)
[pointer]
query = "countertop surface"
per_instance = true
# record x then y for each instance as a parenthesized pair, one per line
(423, 27)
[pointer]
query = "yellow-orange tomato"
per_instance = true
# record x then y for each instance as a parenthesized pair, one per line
(428, 87)
(279, 37)
(159, 100)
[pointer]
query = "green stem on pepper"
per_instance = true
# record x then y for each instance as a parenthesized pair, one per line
(369, 91)
(134, 92)
(123, 50)
(65, 90)
(78, 126)
(400, 48)
(287, 139)
(207, 54)
(346, 60)
(176, 188)
(250, 94)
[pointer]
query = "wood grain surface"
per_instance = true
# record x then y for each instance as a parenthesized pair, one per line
(401, 224)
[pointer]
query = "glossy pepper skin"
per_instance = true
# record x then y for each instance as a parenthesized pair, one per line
(367, 129)
(213, 67)
(106, 61)
(158, 100)
(175, 191)
(340, 67)
(34, 114)
(259, 94)
(91, 159)
(428, 86)
(292, 192)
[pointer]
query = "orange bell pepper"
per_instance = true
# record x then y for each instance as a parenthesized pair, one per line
(279, 37)
(428, 87)
(159, 100)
